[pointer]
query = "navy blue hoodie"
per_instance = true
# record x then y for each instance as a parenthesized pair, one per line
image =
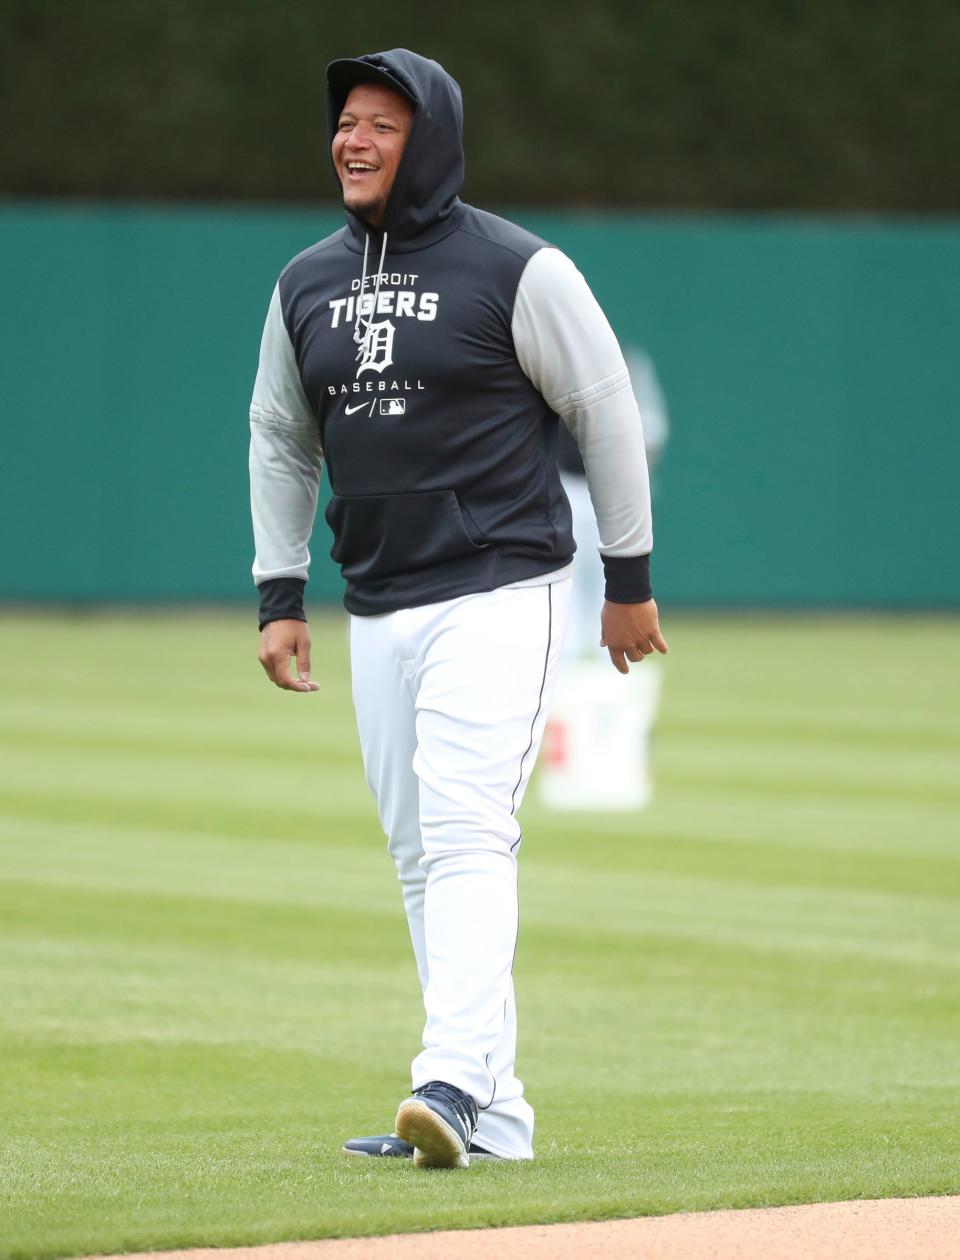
(440, 452)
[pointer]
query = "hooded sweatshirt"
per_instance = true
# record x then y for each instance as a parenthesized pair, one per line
(428, 362)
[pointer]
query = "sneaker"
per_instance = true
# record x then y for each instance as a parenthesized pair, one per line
(388, 1145)
(438, 1120)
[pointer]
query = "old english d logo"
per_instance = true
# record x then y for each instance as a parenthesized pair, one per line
(376, 347)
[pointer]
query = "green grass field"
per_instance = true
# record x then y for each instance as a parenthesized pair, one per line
(747, 995)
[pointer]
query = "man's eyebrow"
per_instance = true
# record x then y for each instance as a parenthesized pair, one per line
(377, 113)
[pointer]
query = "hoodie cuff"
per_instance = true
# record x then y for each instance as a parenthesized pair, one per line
(281, 599)
(627, 579)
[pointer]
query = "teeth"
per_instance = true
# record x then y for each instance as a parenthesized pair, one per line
(360, 166)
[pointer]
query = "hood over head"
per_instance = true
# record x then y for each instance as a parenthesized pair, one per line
(424, 200)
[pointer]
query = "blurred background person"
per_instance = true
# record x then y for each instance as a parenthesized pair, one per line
(583, 635)
(597, 753)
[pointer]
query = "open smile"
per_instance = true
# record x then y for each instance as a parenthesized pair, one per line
(360, 170)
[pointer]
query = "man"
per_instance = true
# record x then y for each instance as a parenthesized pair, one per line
(425, 352)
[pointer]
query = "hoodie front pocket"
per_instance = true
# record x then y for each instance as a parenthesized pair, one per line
(378, 535)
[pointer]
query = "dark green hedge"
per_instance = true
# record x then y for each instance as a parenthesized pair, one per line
(744, 104)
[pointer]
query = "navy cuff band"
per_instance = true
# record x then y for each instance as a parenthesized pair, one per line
(627, 579)
(281, 599)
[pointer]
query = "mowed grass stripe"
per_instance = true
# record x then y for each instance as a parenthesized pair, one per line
(177, 851)
(745, 995)
(201, 781)
(845, 927)
(831, 827)
(291, 818)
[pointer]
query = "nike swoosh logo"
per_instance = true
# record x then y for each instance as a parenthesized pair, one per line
(351, 410)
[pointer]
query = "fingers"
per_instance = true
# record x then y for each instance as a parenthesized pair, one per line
(636, 651)
(630, 632)
(277, 648)
(616, 656)
(297, 684)
(656, 642)
(276, 664)
(281, 675)
(302, 662)
(634, 655)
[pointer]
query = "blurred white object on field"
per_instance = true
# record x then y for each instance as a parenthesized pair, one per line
(595, 752)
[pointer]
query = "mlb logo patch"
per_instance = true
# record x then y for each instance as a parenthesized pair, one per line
(392, 406)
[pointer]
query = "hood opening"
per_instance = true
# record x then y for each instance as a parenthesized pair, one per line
(425, 193)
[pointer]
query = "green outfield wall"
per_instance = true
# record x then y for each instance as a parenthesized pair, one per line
(811, 369)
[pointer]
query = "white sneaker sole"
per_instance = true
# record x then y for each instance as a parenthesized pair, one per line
(437, 1144)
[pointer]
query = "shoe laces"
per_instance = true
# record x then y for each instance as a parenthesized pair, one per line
(461, 1104)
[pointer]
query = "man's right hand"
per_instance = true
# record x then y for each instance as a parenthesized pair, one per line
(279, 642)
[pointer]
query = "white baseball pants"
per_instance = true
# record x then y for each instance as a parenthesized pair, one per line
(451, 702)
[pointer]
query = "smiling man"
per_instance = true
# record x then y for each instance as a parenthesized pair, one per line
(428, 353)
(369, 141)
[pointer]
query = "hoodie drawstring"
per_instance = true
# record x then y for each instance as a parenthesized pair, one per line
(363, 281)
(361, 338)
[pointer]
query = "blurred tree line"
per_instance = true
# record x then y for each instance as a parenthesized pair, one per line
(741, 104)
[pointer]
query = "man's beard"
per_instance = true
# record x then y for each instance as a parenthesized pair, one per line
(371, 212)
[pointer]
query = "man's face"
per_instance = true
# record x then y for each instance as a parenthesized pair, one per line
(373, 128)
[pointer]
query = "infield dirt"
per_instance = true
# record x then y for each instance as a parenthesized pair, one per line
(874, 1229)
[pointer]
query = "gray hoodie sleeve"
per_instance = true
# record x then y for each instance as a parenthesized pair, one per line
(567, 348)
(285, 465)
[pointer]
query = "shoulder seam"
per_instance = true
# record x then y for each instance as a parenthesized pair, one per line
(516, 294)
(500, 245)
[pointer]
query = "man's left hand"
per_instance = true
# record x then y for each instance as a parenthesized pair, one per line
(630, 632)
